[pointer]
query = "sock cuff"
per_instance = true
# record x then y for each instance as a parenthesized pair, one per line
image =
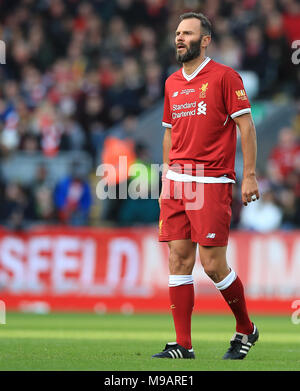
(176, 280)
(228, 280)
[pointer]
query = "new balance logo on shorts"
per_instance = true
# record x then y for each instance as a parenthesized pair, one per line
(211, 236)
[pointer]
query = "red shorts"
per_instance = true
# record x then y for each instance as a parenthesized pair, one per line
(197, 211)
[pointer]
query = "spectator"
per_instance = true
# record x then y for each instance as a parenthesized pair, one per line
(30, 143)
(262, 216)
(72, 197)
(290, 209)
(115, 149)
(139, 208)
(284, 155)
(255, 55)
(17, 211)
(9, 137)
(127, 129)
(42, 190)
(230, 52)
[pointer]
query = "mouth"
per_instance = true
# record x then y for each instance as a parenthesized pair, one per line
(180, 46)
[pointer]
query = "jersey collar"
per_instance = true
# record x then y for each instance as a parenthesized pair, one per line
(196, 71)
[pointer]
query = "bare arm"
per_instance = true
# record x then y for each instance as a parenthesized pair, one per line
(249, 149)
(167, 143)
(166, 146)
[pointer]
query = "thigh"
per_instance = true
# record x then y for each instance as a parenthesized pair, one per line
(212, 255)
(211, 222)
(173, 221)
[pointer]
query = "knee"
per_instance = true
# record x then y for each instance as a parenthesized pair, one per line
(181, 263)
(210, 268)
(211, 273)
(215, 269)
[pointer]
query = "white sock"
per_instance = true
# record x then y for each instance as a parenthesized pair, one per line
(176, 280)
(228, 280)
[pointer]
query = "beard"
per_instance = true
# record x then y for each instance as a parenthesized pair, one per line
(191, 53)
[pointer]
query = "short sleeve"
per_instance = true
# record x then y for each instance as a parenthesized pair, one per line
(235, 97)
(166, 122)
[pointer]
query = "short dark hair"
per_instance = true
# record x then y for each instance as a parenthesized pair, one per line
(205, 23)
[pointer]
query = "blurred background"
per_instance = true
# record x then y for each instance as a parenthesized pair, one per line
(83, 83)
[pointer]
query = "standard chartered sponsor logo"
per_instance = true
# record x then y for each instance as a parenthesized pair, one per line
(184, 106)
(183, 114)
(201, 109)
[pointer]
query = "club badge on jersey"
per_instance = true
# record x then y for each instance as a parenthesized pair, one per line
(203, 90)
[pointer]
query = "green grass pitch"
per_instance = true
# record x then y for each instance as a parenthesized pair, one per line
(114, 342)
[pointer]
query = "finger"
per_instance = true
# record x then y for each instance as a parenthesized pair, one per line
(244, 200)
(249, 198)
(255, 196)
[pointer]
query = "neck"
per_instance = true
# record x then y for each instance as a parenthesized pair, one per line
(190, 66)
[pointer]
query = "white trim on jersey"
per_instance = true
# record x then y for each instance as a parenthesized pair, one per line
(166, 125)
(240, 112)
(175, 176)
(226, 120)
(196, 71)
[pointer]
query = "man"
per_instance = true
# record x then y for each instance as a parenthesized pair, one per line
(204, 101)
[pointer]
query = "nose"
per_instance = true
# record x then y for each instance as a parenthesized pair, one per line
(179, 37)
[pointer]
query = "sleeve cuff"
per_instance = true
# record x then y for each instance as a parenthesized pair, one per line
(240, 112)
(166, 125)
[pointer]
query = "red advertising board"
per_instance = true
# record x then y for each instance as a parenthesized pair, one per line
(102, 269)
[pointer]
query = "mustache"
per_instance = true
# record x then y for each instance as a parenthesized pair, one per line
(181, 44)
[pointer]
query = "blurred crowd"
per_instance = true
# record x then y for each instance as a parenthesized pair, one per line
(76, 68)
(279, 186)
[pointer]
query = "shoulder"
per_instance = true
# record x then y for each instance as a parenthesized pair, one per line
(174, 77)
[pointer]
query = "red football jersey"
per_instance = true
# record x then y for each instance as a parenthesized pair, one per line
(200, 109)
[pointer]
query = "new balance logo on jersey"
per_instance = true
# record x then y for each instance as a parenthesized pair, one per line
(201, 108)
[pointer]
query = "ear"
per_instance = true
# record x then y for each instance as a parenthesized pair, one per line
(205, 41)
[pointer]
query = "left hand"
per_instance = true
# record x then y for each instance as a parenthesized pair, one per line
(249, 190)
